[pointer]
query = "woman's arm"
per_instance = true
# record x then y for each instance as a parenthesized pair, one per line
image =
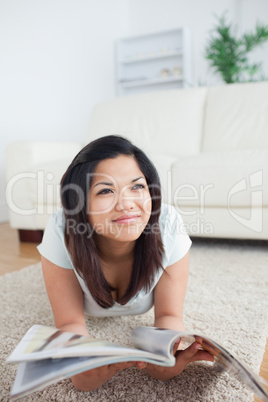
(168, 300)
(169, 295)
(65, 296)
(66, 299)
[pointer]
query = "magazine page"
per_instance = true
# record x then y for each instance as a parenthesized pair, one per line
(42, 342)
(162, 341)
(233, 366)
(35, 375)
(155, 340)
(39, 370)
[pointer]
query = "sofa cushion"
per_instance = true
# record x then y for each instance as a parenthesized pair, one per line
(166, 122)
(163, 164)
(219, 179)
(236, 117)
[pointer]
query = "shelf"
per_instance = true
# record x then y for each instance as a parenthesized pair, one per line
(150, 82)
(152, 57)
(142, 62)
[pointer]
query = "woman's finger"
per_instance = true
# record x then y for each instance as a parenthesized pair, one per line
(188, 353)
(120, 366)
(141, 365)
(176, 345)
(203, 355)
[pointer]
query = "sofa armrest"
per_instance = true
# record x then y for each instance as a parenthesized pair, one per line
(22, 161)
(22, 156)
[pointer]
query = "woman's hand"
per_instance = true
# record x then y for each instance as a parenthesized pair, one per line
(183, 357)
(93, 379)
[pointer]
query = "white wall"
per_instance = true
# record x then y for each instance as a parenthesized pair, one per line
(151, 15)
(198, 16)
(56, 57)
(251, 12)
(56, 62)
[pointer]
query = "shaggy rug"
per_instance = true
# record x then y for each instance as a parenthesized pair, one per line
(226, 300)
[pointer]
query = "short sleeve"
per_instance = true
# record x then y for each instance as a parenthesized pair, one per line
(175, 239)
(53, 246)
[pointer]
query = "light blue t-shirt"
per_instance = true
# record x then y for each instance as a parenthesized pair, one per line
(176, 244)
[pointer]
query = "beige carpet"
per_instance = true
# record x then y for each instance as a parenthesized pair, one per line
(226, 299)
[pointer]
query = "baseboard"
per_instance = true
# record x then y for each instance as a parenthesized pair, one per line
(3, 212)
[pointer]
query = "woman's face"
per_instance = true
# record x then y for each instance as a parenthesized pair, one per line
(120, 204)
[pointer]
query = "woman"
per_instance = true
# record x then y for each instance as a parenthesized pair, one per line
(114, 249)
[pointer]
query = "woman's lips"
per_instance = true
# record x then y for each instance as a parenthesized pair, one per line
(127, 219)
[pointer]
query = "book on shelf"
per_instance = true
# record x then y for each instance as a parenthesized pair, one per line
(47, 355)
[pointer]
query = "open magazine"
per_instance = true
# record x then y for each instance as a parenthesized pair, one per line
(47, 355)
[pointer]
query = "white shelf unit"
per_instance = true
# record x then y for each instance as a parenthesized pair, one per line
(160, 60)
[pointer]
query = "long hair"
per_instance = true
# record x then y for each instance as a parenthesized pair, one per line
(75, 187)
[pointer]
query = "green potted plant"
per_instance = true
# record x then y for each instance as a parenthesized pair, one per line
(228, 55)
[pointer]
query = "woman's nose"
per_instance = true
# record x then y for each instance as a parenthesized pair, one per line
(125, 201)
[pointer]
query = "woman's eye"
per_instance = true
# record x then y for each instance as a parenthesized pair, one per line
(138, 186)
(104, 191)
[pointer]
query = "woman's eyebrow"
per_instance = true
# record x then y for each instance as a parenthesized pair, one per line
(111, 184)
(138, 178)
(104, 183)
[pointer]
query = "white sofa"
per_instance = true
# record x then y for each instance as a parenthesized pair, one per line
(210, 146)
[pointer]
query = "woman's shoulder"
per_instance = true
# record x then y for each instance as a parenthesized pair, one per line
(53, 245)
(167, 209)
(175, 239)
(56, 222)
(169, 214)
(58, 217)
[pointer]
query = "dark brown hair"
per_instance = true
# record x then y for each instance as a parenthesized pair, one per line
(75, 185)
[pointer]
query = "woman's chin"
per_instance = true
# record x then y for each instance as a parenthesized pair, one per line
(126, 233)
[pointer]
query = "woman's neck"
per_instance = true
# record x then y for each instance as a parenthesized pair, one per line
(114, 251)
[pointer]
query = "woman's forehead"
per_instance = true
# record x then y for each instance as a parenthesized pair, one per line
(119, 168)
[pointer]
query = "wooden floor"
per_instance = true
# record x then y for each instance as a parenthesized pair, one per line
(15, 255)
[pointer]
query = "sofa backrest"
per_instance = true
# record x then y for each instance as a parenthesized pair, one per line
(236, 117)
(162, 122)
